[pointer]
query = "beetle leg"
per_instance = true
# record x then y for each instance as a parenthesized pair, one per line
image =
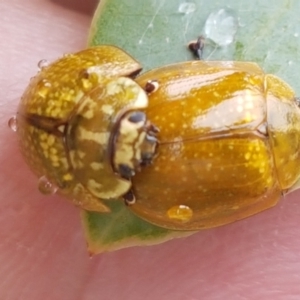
(129, 198)
(197, 47)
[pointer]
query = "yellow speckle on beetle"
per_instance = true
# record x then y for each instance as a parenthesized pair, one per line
(44, 145)
(107, 109)
(54, 158)
(208, 166)
(96, 166)
(98, 137)
(46, 154)
(247, 155)
(64, 162)
(43, 136)
(235, 207)
(51, 140)
(68, 177)
(81, 154)
(89, 114)
(86, 84)
(43, 91)
(248, 117)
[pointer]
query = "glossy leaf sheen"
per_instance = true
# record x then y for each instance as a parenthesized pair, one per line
(156, 33)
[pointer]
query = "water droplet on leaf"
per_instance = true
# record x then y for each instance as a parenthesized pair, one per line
(221, 26)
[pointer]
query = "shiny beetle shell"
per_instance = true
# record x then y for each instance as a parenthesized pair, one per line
(191, 145)
(66, 117)
(229, 144)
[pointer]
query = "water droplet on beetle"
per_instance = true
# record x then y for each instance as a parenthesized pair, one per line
(43, 63)
(46, 187)
(77, 202)
(13, 124)
(221, 26)
(187, 8)
(180, 212)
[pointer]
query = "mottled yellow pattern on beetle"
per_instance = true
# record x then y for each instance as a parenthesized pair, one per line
(90, 133)
(65, 81)
(50, 105)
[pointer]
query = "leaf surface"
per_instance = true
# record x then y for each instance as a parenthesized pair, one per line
(156, 33)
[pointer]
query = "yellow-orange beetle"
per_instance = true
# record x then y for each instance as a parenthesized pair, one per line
(191, 145)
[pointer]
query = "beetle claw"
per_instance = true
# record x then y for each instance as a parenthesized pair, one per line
(151, 86)
(197, 47)
(129, 198)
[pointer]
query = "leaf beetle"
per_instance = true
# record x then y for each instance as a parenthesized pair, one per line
(188, 146)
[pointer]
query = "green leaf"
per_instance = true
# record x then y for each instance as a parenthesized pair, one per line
(157, 33)
(120, 229)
